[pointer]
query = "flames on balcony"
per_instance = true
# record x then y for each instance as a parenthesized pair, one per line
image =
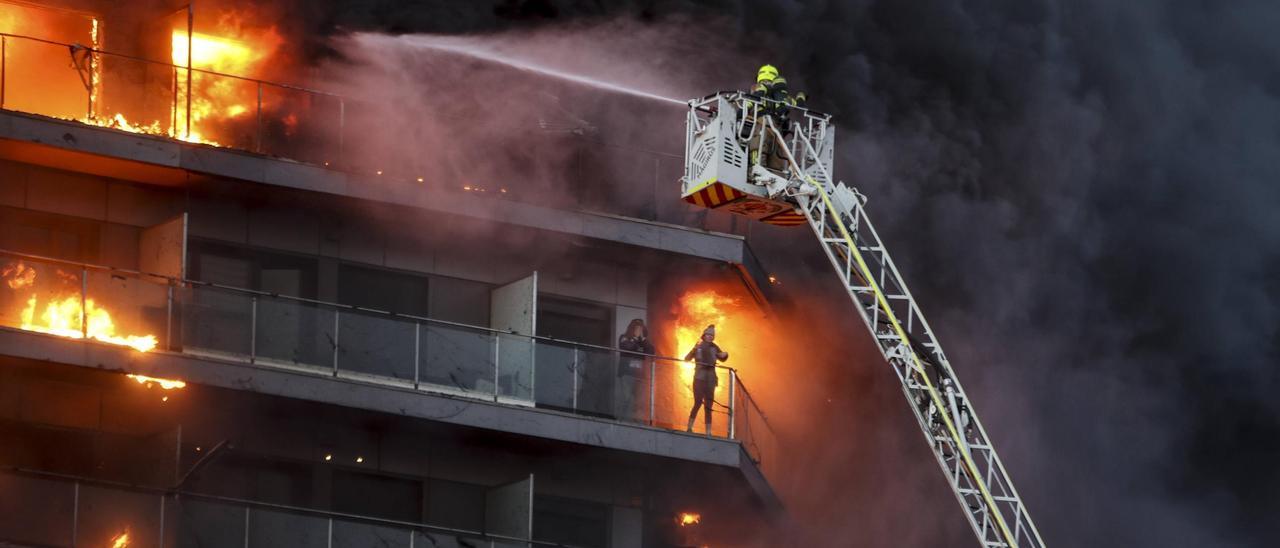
(92, 87)
(740, 331)
(60, 308)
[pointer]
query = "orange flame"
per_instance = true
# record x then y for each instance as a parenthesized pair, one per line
(689, 518)
(695, 311)
(219, 98)
(18, 276)
(164, 384)
(121, 540)
(66, 315)
(66, 318)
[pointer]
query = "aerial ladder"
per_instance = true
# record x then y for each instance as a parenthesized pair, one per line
(773, 163)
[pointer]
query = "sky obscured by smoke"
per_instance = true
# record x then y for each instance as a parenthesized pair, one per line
(1081, 194)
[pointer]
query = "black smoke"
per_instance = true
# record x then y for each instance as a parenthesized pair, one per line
(1082, 194)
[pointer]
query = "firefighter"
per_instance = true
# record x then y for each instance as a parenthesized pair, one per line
(705, 354)
(771, 88)
(632, 374)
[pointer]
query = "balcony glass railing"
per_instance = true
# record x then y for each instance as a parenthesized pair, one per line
(145, 310)
(76, 512)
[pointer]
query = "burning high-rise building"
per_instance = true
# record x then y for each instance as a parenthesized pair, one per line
(221, 324)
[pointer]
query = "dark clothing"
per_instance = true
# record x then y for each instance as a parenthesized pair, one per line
(704, 355)
(632, 363)
(776, 95)
(631, 393)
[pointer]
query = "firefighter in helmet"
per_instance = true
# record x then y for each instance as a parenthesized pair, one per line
(705, 354)
(772, 88)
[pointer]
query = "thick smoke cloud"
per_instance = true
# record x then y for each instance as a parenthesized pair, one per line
(1081, 194)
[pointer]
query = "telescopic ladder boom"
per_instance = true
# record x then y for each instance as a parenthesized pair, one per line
(798, 173)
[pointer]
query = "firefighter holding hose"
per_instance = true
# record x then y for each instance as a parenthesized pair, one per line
(705, 355)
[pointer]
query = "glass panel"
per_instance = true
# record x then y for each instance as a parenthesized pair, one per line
(300, 125)
(351, 534)
(673, 394)
(441, 540)
(215, 321)
(515, 367)
(553, 386)
(135, 96)
(105, 514)
(456, 358)
(375, 345)
(40, 78)
(292, 332)
(223, 110)
(40, 296)
(273, 528)
(631, 388)
(753, 430)
(47, 523)
(597, 371)
(126, 310)
(208, 524)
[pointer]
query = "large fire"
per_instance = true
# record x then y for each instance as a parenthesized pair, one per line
(740, 331)
(42, 79)
(65, 313)
(219, 98)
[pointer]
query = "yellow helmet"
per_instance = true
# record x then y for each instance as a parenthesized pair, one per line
(767, 72)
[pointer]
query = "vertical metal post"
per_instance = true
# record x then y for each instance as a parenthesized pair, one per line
(417, 350)
(168, 317)
(253, 328)
(89, 112)
(342, 127)
(191, 16)
(497, 349)
(161, 521)
(329, 535)
(4, 52)
(336, 314)
(84, 298)
(733, 389)
(574, 370)
(257, 145)
(75, 512)
(246, 527)
(653, 383)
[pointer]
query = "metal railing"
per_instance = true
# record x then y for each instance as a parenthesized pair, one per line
(77, 511)
(372, 346)
(153, 97)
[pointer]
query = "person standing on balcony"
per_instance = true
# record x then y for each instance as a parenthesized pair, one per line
(632, 373)
(705, 354)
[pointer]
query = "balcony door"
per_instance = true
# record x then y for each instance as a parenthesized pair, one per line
(513, 308)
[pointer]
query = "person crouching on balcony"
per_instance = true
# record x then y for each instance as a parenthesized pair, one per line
(632, 371)
(705, 354)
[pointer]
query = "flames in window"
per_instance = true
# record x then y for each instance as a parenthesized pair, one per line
(105, 90)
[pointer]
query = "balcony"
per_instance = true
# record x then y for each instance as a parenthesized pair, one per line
(311, 128)
(99, 513)
(369, 351)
